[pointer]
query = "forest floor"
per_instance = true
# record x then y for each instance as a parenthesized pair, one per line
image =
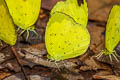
(32, 53)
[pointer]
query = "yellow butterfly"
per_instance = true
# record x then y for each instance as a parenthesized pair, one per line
(112, 35)
(7, 28)
(24, 13)
(66, 34)
(71, 8)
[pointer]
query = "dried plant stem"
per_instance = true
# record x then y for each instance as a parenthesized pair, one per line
(18, 61)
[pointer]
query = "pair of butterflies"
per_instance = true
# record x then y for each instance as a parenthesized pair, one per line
(66, 33)
(22, 13)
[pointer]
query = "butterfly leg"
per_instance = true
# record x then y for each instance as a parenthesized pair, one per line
(21, 32)
(115, 56)
(27, 35)
(64, 63)
(110, 57)
(57, 66)
(116, 53)
(17, 29)
(100, 54)
(34, 32)
(49, 60)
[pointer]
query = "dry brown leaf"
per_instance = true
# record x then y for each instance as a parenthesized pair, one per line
(49, 4)
(99, 9)
(97, 37)
(107, 77)
(91, 64)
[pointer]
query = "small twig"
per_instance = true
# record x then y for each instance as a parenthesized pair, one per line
(18, 61)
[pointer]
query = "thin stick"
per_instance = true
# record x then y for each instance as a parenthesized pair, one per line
(18, 61)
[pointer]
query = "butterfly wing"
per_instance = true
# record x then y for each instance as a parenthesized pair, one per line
(65, 38)
(71, 8)
(7, 29)
(24, 12)
(112, 36)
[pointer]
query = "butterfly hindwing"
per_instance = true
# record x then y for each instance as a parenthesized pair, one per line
(71, 8)
(112, 36)
(7, 28)
(65, 38)
(24, 12)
